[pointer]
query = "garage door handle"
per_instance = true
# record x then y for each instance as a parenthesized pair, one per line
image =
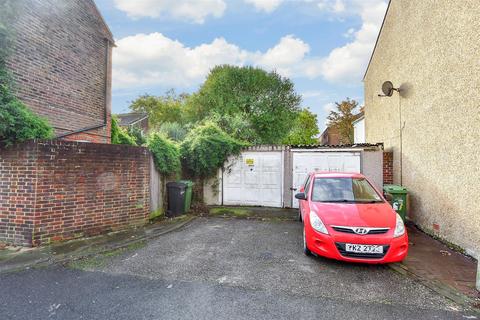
(293, 189)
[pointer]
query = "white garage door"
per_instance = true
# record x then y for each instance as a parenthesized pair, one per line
(305, 162)
(255, 179)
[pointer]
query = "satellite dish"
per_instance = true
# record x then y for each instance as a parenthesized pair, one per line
(387, 88)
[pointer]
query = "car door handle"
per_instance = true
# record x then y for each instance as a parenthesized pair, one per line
(293, 189)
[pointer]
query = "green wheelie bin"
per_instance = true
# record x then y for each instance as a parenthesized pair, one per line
(399, 198)
(188, 194)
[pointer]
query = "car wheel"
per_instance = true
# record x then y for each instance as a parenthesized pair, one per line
(305, 248)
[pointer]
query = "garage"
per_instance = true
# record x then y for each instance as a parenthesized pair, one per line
(268, 176)
(255, 179)
(305, 161)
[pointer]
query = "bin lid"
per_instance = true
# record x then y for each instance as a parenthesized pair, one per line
(188, 183)
(393, 188)
(176, 185)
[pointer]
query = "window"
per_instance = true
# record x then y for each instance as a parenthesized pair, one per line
(344, 190)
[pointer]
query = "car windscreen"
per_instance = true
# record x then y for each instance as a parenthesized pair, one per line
(356, 190)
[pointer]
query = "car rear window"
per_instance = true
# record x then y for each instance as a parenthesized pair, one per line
(356, 190)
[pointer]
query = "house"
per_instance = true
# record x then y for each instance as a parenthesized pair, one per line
(330, 136)
(61, 64)
(429, 51)
(359, 128)
(134, 119)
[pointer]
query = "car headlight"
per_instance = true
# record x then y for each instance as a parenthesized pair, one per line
(317, 223)
(399, 227)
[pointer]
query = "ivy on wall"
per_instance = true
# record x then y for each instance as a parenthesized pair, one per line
(120, 135)
(206, 148)
(166, 154)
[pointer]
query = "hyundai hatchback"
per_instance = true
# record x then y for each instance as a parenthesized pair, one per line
(346, 218)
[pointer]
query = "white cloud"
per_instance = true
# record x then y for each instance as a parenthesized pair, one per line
(192, 10)
(335, 6)
(349, 62)
(338, 6)
(313, 94)
(329, 107)
(286, 57)
(153, 59)
(265, 5)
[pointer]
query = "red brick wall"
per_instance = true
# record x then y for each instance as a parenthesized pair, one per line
(61, 63)
(17, 193)
(58, 190)
(387, 167)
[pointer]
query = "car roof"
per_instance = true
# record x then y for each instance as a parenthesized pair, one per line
(326, 174)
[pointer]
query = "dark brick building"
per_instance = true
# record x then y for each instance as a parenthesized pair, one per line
(330, 136)
(61, 63)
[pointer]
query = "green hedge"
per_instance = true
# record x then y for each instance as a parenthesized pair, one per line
(120, 135)
(206, 148)
(166, 154)
(17, 122)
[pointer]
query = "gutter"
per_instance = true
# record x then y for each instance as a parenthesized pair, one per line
(105, 111)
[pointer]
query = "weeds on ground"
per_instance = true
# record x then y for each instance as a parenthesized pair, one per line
(100, 260)
(234, 212)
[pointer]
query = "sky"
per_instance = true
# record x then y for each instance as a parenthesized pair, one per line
(323, 46)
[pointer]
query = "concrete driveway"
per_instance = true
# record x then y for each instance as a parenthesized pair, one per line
(217, 268)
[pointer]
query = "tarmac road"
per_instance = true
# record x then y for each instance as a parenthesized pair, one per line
(218, 268)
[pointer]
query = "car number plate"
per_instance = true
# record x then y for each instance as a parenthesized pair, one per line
(363, 248)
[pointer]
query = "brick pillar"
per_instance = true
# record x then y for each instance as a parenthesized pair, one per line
(388, 167)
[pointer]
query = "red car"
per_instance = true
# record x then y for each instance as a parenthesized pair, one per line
(346, 218)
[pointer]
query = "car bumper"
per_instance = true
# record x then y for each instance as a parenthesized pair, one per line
(332, 246)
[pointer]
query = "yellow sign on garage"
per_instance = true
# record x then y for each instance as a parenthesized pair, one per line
(250, 162)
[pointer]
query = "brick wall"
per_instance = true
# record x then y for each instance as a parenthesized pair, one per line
(61, 63)
(58, 190)
(388, 167)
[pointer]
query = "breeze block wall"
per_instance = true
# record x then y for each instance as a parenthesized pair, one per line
(60, 190)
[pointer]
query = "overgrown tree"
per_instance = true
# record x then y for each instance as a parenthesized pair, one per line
(161, 109)
(305, 129)
(342, 119)
(119, 135)
(206, 148)
(166, 154)
(138, 135)
(264, 102)
(173, 130)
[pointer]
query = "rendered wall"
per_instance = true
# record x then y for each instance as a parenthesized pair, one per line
(431, 50)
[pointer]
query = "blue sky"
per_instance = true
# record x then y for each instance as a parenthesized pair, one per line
(322, 45)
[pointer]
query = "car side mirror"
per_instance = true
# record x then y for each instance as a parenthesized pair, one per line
(388, 197)
(301, 196)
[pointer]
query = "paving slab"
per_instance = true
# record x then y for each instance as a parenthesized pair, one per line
(438, 266)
